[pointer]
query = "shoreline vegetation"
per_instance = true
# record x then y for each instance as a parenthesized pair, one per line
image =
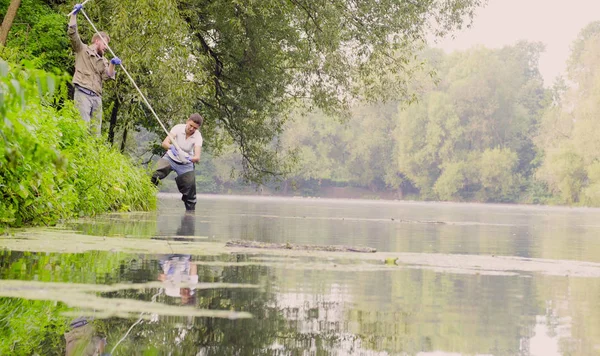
(469, 126)
(51, 168)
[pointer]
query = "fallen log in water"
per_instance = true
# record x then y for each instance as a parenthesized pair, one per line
(290, 246)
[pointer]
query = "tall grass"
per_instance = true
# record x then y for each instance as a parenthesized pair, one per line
(51, 168)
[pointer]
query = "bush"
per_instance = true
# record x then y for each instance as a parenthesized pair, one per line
(38, 34)
(497, 174)
(452, 181)
(31, 327)
(50, 167)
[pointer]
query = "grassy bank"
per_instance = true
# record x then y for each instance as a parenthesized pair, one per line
(50, 167)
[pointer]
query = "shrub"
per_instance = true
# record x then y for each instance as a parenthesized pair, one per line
(50, 167)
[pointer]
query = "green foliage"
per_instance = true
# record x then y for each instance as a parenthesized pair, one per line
(452, 181)
(30, 327)
(246, 65)
(482, 114)
(499, 182)
(468, 138)
(38, 35)
(591, 193)
(565, 173)
(570, 129)
(50, 167)
(205, 175)
(260, 57)
(155, 51)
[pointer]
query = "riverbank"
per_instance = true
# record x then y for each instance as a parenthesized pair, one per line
(51, 168)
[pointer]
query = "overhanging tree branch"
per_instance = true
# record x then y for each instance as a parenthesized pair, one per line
(9, 17)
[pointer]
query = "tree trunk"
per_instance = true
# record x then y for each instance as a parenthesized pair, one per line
(11, 13)
(124, 142)
(113, 122)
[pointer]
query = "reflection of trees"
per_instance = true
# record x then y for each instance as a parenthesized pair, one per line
(101, 267)
(403, 311)
(455, 313)
(29, 327)
(129, 224)
(161, 334)
(408, 311)
(570, 313)
(32, 326)
(214, 336)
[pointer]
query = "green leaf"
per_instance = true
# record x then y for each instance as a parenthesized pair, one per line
(51, 84)
(23, 192)
(8, 123)
(3, 68)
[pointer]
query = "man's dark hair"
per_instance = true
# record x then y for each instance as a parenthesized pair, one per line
(197, 118)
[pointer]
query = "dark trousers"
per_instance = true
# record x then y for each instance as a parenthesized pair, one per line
(186, 182)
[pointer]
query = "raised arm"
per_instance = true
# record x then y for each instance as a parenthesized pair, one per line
(76, 43)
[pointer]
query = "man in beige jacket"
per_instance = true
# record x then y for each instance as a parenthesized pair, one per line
(82, 339)
(91, 70)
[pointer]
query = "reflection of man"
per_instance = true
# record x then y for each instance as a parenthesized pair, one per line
(82, 339)
(188, 225)
(177, 270)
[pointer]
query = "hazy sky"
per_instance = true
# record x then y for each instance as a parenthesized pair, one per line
(555, 23)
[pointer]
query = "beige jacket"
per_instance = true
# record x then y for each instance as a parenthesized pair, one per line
(81, 341)
(91, 69)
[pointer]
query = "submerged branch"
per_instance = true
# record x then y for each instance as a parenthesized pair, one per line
(290, 246)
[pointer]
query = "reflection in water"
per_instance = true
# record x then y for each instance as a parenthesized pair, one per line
(83, 340)
(404, 309)
(178, 270)
(188, 225)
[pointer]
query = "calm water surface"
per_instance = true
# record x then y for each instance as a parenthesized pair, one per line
(309, 304)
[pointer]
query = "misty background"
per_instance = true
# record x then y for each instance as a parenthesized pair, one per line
(503, 111)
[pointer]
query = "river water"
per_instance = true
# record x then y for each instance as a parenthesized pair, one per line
(447, 279)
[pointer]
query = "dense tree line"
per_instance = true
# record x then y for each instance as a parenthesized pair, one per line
(483, 129)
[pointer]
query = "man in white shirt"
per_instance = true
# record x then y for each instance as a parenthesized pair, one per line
(180, 277)
(189, 140)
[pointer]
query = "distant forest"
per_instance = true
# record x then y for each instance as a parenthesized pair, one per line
(482, 128)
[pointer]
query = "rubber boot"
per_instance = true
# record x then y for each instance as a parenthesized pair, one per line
(186, 183)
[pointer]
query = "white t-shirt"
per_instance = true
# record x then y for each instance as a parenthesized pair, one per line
(177, 271)
(186, 144)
